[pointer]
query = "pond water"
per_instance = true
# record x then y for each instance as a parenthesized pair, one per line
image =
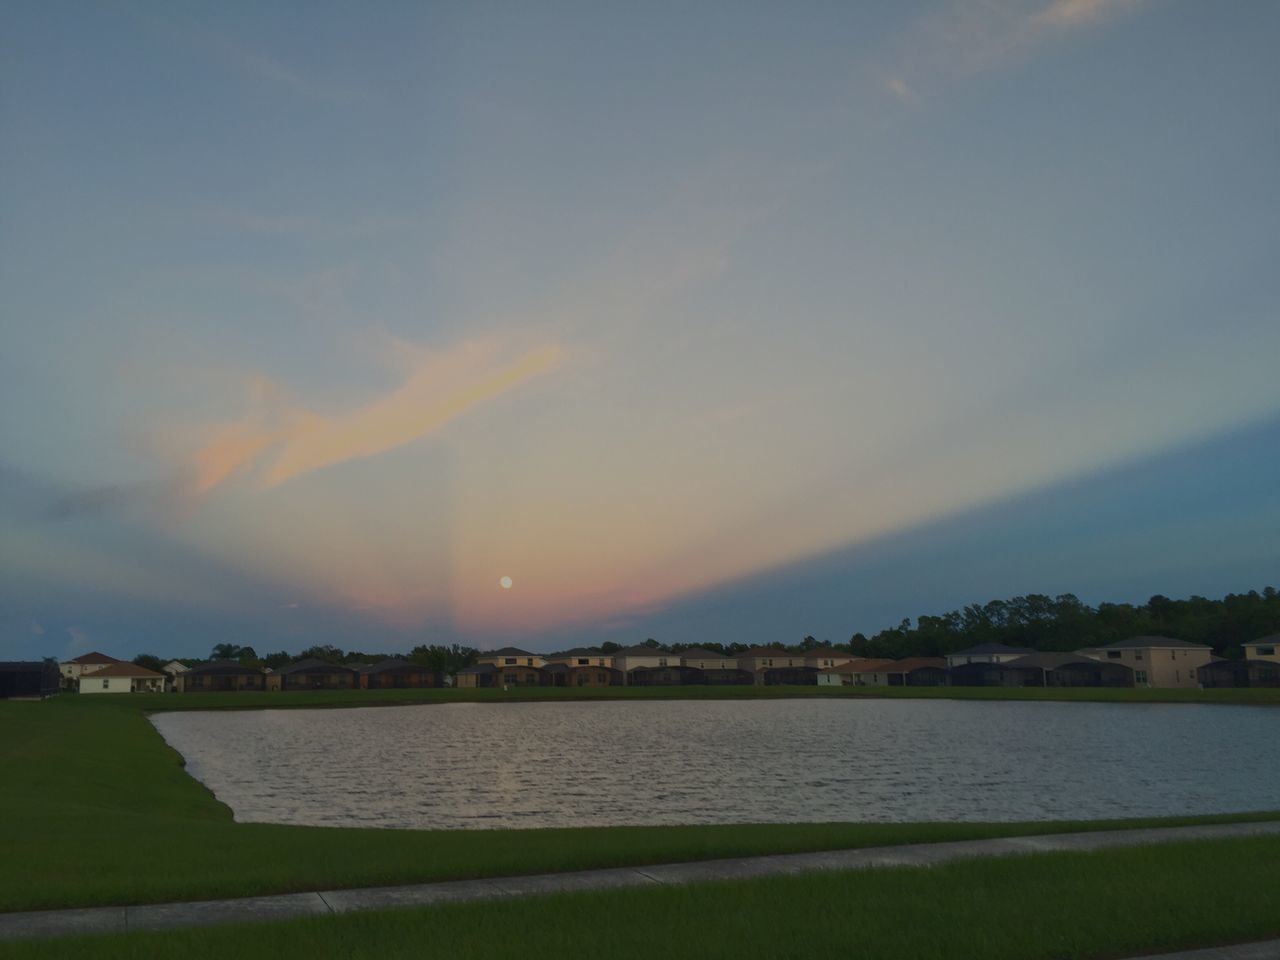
(704, 761)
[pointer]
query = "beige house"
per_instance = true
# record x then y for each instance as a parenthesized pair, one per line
(871, 673)
(707, 659)
(1155, 661)
(1268, 648)
(842, 675)
(767, 658)
(824, 658)
(511, 657)
(582, 657)
(122, 678)
(641, 656)
(72, 670)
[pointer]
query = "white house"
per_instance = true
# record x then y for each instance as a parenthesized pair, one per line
(824, 658)
(122, 678)
(1268, 648)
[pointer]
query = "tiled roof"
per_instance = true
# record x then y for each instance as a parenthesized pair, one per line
(95, 657)
(121, 670)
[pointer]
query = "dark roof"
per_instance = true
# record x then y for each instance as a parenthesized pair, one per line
(312, 665)
(580, 652)
(1140, 642)
(95, 657)
(221, 666)
(556, 668)
(120, 670)
(394, 663)
(510, 652)
(700, 653)
(1273, 639)
(640, 650)
(23, 666)
(767, 652)
(990, 648)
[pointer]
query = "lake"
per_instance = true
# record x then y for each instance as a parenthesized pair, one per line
(570, 764)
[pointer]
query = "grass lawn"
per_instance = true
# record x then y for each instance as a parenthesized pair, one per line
(98, 810)
(1061, 906)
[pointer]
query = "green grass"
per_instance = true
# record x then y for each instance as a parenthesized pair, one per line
(98, 810)
(345, 698)
(1062, 906)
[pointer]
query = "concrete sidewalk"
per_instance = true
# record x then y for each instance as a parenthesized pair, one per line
(1270, 950)
(166, 916)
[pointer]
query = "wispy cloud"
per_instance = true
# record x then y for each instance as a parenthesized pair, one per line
(969, 37)
(281, 441)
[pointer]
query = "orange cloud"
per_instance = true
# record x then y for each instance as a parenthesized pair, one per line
(285, 442)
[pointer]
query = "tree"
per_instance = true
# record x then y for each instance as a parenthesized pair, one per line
(224, 651)
(149, 661)
(610, 647)
(652, 643)
(326, 652)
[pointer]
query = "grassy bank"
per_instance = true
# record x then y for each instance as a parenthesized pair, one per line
(98, 810)
(1113, 903)
(347, 698)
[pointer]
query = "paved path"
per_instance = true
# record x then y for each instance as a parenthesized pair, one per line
(1269, 950)
(165, 916)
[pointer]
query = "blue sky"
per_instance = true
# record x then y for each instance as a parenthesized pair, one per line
(318, 320)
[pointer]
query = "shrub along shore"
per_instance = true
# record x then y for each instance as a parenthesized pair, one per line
(98, 810)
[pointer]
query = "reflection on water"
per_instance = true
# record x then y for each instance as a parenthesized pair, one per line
(670, 762)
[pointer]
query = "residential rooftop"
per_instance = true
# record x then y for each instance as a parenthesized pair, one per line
(989, 648)
(1140, 643)
(120, 669)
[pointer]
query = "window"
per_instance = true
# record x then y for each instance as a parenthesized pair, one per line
(106, 684)
(528, 662)
(662, 661)
(1140, 677)
(1113, 654)
(1137, 654)
(584, 662)
(509, 679)
(1173, 654)
(509, 661)
(1268, 651)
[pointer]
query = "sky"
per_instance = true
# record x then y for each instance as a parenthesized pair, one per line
(725, 322)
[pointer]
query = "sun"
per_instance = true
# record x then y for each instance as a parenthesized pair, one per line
(505, 583)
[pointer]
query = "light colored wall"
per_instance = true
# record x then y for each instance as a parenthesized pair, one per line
(593, 660)
(711, 663)
(831, 679)
(656, 660)
(89, 684)
(1251, 651)
(1165, 667)
(833, 659)
(771, 662)
(954, 660)
(531, 661)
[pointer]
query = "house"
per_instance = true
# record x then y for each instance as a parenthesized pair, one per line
(822, 658)
(397, 674)
(839, 676)
(632, 658)
(220, 676)
(511, 657)
(71, 670)
(1240, 673)
(560, 674)
(1268, 648)
(869, 673)
(478, 675)
(1058, 670)
(122, 678)
(987, 653)
(911, 672)
(1156, 661)
(29, 678)
(727, 676)
(581, 657)
(787, 676)
(669, 676)
(312, 674)
(704, 659)
(171, 671)
(768, 658)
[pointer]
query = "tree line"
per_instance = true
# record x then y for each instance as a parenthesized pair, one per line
(1052, 624)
